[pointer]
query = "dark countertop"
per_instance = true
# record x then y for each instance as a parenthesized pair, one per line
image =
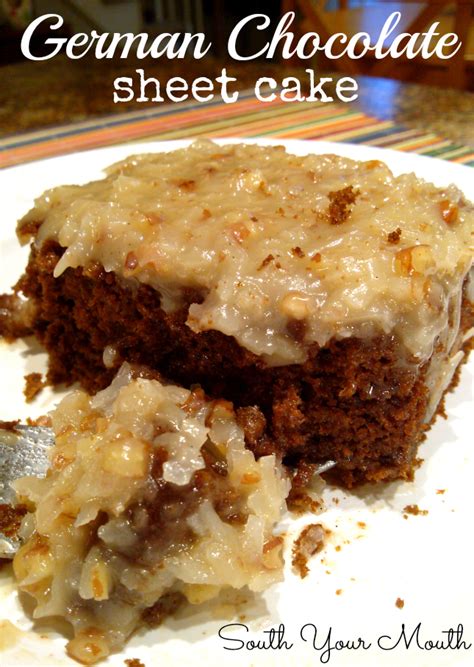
(40, 94)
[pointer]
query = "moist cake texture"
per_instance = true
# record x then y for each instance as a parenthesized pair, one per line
(328, 299)
(151, 497)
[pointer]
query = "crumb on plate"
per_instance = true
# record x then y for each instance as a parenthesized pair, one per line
(414, 510)
(309, 542)
(34, 384)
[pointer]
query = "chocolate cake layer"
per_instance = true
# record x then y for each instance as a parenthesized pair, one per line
(360, 402)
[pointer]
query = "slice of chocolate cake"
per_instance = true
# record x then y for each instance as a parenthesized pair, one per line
(330, 301)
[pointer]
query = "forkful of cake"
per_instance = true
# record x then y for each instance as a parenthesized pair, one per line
(24, 451)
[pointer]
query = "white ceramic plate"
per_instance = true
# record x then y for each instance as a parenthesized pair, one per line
(374, 554)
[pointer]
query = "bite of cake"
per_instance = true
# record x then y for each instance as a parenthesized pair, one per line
(151, 499)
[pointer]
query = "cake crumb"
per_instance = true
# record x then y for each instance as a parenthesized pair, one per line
(34, 384)
(414, 510)
(299, 500)
(339, 591)
(399, 603)
(340, 202)
(42, 420)
(309, 543)
(362, 524)
(16, 317)
(9, 425)
(394, 237)
(440, 492)
(134, 662)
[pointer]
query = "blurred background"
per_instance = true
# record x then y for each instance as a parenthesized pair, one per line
(36, 94)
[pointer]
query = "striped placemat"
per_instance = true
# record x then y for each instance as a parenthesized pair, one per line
(245, 118)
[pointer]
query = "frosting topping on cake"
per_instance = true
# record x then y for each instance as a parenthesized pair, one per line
(284, 251)
(150, 495)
